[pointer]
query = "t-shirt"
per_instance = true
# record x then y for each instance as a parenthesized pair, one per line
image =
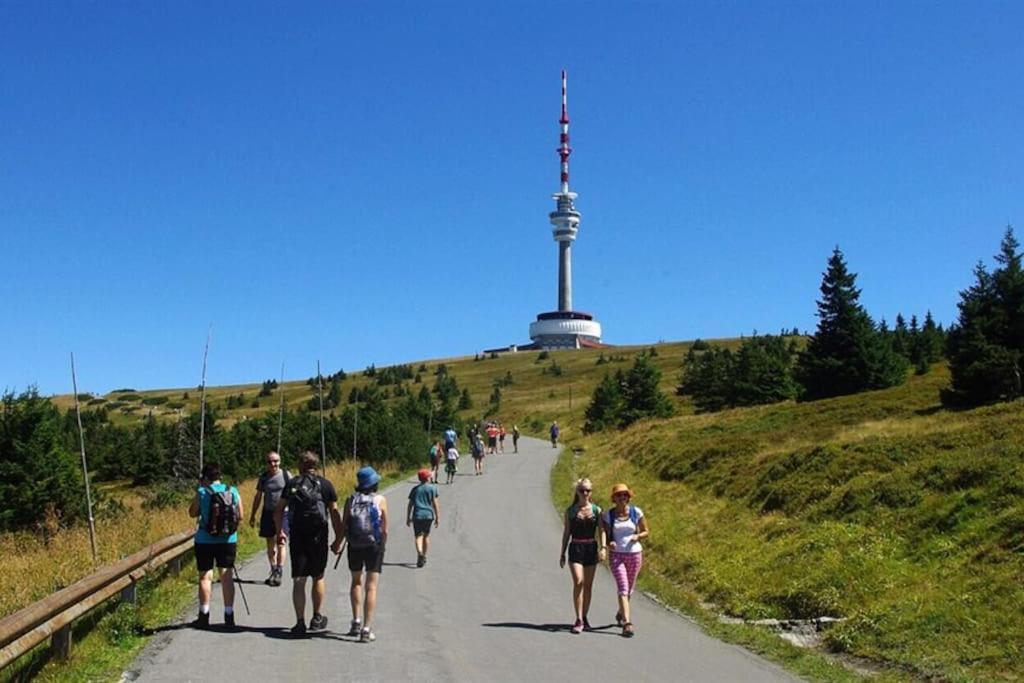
(450, 437)
(453, 454)
(327, 493)
(492, 432)
(554, 431)
(271, 486)
(622, 528)
(202, 535)
(422, 497)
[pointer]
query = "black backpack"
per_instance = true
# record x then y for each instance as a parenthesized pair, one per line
(306, 506)
(224, 513)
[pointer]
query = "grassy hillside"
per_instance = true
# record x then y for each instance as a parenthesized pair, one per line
(882, 508)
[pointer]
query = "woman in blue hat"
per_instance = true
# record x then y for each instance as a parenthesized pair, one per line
(365, 525)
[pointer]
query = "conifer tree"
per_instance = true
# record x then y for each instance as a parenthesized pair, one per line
(640, 393)
(846, 354)
(605, 406)
(985, 347)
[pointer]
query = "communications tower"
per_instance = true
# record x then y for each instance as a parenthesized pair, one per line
(565, 328)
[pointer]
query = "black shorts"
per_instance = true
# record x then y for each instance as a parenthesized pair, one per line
(421, 527)
(267, 527)
(209, 553)
(371, 558)
(309, 555)
(492, 441)
(583, 553)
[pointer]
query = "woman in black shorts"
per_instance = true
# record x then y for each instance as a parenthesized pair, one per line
(581, 534)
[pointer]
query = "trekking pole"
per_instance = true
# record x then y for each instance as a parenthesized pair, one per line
(323, 442)
(341, 551)
(239, 580)
(280, 411)
(85, 466)
(202, 401)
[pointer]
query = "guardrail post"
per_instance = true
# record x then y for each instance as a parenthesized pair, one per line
(175, 564)
(61, 643)
(128, 594)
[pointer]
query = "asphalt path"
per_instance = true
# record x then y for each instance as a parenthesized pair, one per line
(490, 605)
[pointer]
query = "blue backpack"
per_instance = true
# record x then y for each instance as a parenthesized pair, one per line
(633, 517)
(363, 521)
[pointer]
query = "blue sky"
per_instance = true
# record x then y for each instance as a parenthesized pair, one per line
(370, 182)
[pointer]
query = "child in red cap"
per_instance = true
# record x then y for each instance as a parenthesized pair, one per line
(422, 511)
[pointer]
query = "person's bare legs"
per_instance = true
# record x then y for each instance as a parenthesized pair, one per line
(299, 598)
(355, 594)
(272, 553)
(227, 586)
(370, 606)
(624, 607)
(420, 542)
(318, 591)
(426, 544)
(205, 587)
(576, 570)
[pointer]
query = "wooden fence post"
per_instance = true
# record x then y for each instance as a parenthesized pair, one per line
(61, 643)
(129, 594)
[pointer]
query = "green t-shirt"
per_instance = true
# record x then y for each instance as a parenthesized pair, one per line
(422, 497)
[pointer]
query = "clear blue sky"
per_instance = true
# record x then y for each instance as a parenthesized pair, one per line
(370, 182)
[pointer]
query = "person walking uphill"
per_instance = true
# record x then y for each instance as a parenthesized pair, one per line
(554, 431)
(580, 534)
(269, 488)
(625, 525)
(366, 527)
(219, 509)
(422, 510)
(311, 500)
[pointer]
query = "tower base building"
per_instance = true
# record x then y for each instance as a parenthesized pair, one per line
(565, 330)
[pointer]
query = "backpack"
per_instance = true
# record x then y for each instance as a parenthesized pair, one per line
(363, 521)
(633, 517)
(306, 506)
(224, 513)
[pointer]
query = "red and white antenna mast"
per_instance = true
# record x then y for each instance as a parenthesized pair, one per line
(563, 148)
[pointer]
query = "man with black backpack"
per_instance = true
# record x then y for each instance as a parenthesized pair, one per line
(219, 508)
(311, 500)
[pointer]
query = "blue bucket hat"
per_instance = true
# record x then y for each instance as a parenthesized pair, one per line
(367, 477)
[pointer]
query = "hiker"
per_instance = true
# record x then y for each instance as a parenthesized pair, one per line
(422, 510)
(436, 455)
(501, 438)
(515, 438)
(269, 488)
(450, 464)
(625, 525)
(310, 500)
(477, 451)
(492, 438)
(366, 529)
(580, 534)
(451, 438)
(554, 434)
(219, 509)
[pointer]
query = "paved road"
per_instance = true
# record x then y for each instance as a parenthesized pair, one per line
(491, 605)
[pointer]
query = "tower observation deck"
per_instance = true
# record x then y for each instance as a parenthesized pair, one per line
(565, 328)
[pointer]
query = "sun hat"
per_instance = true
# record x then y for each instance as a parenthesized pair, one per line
(423, 474)
(367, 477)
(621, 488)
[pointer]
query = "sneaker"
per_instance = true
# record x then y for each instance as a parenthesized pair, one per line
(619, 619)
(354, 629)
(420, 561)
(276, 577)
(269, 581)
(299, 629)
(577, 627)
(318, 623)
(586, 625)
(229, 620)
(366, 636)
(202, 620)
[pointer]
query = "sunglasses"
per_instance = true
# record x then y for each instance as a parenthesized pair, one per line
(585, 490)
(273, 462)
(620, 495)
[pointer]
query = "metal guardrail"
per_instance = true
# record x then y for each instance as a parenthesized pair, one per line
(53, 616)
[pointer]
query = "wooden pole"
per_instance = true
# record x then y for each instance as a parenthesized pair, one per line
(85, 464)
(355, 431)
(280, 410)
(202, 402)
(323, 441)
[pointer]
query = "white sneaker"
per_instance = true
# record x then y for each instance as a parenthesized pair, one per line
(366, 636)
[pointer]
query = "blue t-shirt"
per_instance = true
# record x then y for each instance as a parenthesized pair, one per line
(422, 497)
(450, 437)
(202, 535)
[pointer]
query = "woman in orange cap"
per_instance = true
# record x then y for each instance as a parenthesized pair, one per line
(624, 526)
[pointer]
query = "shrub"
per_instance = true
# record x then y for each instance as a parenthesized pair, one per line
(155, 400)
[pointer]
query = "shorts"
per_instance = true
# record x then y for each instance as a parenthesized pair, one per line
(492, 441)
(478, 456)
(421, 527)
(309, 555)
(583, 553)
(209, 553)
(267, 527)
(449, 466)
(371, 558)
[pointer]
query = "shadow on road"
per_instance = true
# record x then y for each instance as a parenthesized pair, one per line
(550, 628)
(407, 565)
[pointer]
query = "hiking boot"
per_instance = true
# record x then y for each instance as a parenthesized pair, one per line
(229, 620)
(269, 581)
(299, 629)
(202, 620)
(276, 577)
(577, 627)
(366, 636)
(420, 561)
(354, 629)
(318, 623)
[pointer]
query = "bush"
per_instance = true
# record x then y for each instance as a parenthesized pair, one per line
(155, 400)
(96, 401)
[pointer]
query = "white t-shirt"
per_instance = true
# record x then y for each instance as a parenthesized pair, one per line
(453, 454)
(624, 528)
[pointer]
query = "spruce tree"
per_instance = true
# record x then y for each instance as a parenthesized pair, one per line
(640, 393)
(605, 407)
(846, 354)
(985, 347)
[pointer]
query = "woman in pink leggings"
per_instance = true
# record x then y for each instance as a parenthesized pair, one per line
(624, 526)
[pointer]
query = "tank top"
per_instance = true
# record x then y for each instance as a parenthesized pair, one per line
(583, 529)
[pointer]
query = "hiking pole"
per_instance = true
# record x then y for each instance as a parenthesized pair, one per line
(239, 580)
(341, 551)
(320, 388)
(85, 466)
(202, 400)
(280, 411)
